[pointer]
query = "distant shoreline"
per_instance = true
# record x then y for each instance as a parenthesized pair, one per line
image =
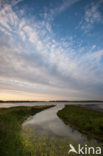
(85, 101)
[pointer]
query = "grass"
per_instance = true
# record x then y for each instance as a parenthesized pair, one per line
(42, 145)
(10, 129)
(87, 121)
(49, 146)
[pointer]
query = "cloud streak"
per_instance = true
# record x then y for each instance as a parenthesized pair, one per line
(92, 16)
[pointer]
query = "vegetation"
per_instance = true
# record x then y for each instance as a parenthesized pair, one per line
(17, 141)
(87, 121)
(49, 146)
(43, 146)
(10, 129)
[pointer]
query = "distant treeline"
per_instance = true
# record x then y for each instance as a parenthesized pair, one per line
(77, 101)
(1, 101)
(19, 101)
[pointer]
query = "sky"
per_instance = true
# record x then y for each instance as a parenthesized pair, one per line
(51, 50)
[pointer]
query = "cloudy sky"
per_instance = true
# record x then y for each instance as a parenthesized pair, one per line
(51, 49)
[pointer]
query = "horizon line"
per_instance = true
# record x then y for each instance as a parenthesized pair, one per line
(50, 101)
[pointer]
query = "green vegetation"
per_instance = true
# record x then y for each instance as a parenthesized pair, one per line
(10, 129)
(49, 146)
(87, 121)
(44, 146)
(16, 140)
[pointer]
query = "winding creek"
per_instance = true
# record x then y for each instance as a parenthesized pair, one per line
(47, 123)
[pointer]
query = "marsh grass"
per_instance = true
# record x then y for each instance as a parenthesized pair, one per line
(43, 145)
(10, 127)
(48, 146)
(15, 141)
(87, 121)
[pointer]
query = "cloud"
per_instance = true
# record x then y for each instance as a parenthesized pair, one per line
(8, 18)
(31, 59)
(55, 11)
(9, 2)
(65, 4)
(92, 16)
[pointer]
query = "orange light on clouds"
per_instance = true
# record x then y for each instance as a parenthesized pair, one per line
(21, 95)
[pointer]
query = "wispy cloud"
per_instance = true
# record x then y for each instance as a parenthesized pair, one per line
(11, 2)
(53, 12)
(92, 16)
(8, 18)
